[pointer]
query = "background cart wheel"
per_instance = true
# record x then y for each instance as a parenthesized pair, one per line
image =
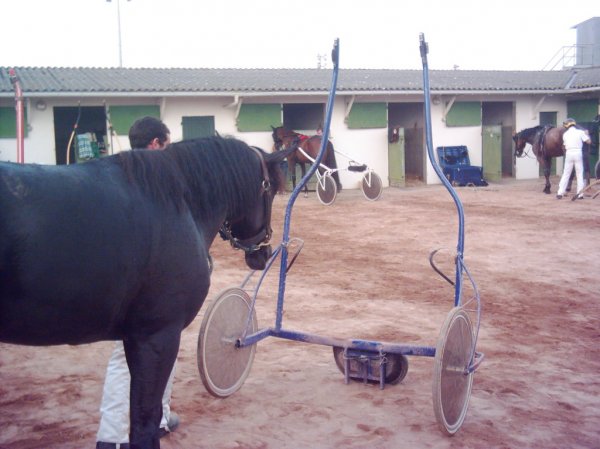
(326, 189)
(222, 365)
(396, 365)
(452, 381)
(371, 186)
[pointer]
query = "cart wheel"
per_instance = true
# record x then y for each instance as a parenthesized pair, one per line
(597, 169)
(371, 186)
(451, 381)
(396, 367)
(223, 366)
(326, 189)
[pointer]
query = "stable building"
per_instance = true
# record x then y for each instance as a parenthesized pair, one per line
(378, 115)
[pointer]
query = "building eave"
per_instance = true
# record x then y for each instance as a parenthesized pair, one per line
(283, 93)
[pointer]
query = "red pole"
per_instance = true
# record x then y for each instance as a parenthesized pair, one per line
(20, 116)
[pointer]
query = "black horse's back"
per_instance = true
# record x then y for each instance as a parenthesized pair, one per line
(63, 251)
(117, 248)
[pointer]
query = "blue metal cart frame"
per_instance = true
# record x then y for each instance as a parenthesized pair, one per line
(229, 333)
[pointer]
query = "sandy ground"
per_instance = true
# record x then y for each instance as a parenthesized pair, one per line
(364, 273)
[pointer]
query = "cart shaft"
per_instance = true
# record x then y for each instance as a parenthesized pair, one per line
(364, 345)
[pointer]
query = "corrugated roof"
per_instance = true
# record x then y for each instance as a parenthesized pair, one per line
(59, 80)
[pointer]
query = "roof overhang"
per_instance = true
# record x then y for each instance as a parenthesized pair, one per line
(245, 94)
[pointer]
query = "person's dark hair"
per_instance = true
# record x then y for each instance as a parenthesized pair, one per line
(145, 130)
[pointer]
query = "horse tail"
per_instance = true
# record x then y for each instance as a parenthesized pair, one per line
(331, 163)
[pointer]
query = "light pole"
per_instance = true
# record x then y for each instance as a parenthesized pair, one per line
(119, 25)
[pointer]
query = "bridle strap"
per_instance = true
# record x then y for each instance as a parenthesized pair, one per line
(265, 169)
(264, 236)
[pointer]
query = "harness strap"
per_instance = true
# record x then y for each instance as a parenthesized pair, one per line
(310, 158)
(265, 169)
(541, 139)
(264, 236)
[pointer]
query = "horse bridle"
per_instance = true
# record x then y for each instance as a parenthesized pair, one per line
(294, 142)
(263, 237)
(524, 153)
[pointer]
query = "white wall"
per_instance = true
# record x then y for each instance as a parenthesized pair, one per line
(367, 146)
(470, 136)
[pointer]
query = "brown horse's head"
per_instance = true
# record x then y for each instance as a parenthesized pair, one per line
(524, 137)
(520, 143)
(284, 138)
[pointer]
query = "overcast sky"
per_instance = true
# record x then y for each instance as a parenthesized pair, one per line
(478, 34)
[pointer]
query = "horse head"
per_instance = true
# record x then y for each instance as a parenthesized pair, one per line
(284, 138)
(277, 140)
(526, 136)
(252, 232)
(520, 143)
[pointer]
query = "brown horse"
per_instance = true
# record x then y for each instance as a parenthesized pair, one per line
(546, 142)
(284, 138)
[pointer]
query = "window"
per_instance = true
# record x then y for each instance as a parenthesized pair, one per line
(303, 116)
(122, 117)
(582, 110)
(467, 113)
(548, 118)
(199, 126)
(367, 115)
(259, 117)
(8, 122)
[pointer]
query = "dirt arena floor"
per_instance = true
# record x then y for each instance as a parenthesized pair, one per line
(364, 273)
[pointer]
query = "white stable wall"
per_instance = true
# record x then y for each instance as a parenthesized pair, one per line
(367, 146)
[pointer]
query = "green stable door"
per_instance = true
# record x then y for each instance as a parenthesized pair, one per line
(396, 168)
(492, 153)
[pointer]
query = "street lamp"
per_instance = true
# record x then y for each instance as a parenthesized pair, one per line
(119, 24)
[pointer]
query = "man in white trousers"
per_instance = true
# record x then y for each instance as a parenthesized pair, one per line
(573, 140)
(113, 433)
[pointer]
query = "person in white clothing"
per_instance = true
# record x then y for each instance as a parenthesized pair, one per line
(573, 140)
(113, 433)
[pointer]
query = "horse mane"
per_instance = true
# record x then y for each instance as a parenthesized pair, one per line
(156, 174)
(287, 132)
(529, 132)
(193, 172)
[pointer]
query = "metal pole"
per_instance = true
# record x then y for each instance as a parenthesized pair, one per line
(424, 48)
(119, 20)
(288, 211)
(119, 30)
(19, 110)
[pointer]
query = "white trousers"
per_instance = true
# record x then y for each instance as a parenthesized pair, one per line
(114, 409)
(573, 158)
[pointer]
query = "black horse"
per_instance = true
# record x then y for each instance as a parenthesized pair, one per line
(118, 249)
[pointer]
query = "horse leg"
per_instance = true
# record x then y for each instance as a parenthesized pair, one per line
(303, 170)
(150, 359)
(332, 164)
(586, 163)
(292, 170)
(570, 181)
(547, 165)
